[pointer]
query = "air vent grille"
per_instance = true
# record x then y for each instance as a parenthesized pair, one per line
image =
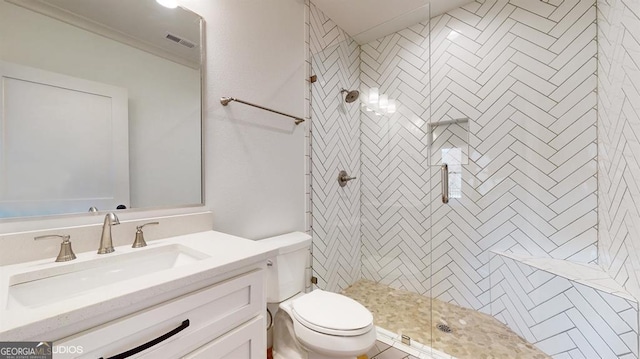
(180, 40)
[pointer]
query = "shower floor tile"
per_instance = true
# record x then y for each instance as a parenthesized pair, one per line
(473, 335)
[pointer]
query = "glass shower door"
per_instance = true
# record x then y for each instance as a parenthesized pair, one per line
(390, 273)
(395, 193)
(515, 125)
(460, 260)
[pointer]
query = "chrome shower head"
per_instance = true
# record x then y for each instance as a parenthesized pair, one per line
(351, 95)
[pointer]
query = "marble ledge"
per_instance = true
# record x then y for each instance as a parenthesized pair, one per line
(588, 274)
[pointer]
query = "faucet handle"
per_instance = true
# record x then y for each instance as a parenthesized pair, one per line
(66, 253)
(139, 241)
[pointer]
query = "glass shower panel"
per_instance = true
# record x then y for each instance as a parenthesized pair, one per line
(396, 237)
(471, 146)
(460, 257)
(335, 138)
(520, 182)
(386, 263)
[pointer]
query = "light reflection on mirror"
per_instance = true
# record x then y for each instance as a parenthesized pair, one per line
(65, 65)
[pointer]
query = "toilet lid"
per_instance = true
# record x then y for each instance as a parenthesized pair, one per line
(332, 313)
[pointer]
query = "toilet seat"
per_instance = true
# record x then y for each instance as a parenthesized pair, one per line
(332, 314)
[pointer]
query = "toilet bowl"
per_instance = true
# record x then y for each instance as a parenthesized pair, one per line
(314, 325)
(331, 325)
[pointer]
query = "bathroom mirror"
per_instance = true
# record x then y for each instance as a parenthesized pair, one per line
(102, 106)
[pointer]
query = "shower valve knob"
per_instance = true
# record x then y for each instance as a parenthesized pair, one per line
(343, 178)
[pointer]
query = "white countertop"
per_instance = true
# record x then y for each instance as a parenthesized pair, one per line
(225, 253)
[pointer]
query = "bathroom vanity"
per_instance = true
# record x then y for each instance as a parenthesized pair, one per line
(203, 293)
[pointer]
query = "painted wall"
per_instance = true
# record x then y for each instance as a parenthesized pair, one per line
(254, 160)
(164, 142)
(335, 59)
(618, 140)
(524, 73)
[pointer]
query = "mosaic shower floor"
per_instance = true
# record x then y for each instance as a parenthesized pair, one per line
(473, 335)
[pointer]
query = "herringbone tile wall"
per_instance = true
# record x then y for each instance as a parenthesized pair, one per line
(562, 317)
(524, 73)
(396, 243)
(336, 146)
(619, 136)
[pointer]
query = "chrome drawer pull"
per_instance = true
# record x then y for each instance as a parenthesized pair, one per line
(151, 343)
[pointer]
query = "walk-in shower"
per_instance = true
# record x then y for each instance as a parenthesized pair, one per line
(505, 94)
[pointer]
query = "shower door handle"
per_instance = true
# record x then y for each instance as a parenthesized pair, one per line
(444, 170)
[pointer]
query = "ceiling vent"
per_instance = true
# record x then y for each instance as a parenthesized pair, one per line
(180, 40)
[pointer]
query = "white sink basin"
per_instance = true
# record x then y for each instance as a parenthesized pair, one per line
(45, 286)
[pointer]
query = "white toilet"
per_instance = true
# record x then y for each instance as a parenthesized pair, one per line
(316, 325)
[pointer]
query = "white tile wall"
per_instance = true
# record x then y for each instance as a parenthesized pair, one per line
(565, 318)
(395, 177)
(524, 73)
(618, 140)
(583, 273)
(335, 134)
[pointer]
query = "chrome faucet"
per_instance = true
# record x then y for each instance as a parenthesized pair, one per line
(66, 253)
(140, 242)
(106, 242)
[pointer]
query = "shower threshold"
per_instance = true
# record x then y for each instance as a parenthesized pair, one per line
(414, 349)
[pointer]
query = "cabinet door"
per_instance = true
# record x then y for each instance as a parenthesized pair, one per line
(246, 342)
(208, 313)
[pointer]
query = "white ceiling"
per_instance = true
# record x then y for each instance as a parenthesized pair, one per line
(367, 20)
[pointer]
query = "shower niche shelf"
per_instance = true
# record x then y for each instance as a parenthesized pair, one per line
(449, 141)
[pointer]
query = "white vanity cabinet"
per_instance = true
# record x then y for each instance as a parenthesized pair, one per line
(222, 320)
(241, 343)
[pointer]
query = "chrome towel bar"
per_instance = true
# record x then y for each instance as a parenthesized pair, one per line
(225, 101)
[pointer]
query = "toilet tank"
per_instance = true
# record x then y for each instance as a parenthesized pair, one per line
(286, 274)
